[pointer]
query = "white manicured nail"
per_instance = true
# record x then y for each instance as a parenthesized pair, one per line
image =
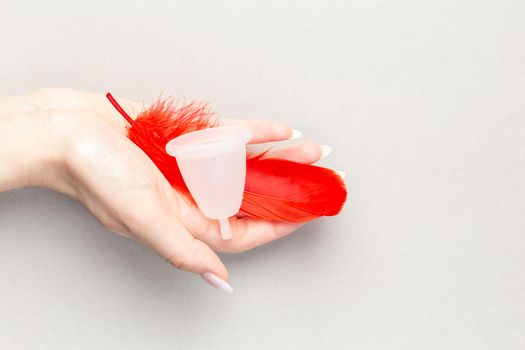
(217, 282)
(296, 134)
(340, 173)
(325, 150)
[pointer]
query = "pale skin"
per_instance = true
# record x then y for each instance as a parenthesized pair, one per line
(74, 142)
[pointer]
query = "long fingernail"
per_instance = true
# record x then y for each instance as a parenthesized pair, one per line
(217, 282)
(325, 150)
(296, 134)
(340, 173)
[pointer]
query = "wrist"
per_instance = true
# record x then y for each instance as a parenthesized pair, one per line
(31, 147)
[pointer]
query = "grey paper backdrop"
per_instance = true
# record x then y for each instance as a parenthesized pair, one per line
(423, 104)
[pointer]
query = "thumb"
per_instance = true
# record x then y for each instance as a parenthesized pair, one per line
(170, 239)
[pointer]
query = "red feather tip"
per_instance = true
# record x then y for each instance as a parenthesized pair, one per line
(275, 189)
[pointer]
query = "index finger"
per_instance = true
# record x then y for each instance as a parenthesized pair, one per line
(264, 130)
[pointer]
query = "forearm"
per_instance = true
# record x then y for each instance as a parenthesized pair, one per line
(29, 146)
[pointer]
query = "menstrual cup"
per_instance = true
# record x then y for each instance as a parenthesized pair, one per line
(213, 165)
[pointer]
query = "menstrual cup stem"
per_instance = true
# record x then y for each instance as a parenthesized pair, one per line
(226, 231)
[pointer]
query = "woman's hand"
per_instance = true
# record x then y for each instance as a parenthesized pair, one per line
(75, 142)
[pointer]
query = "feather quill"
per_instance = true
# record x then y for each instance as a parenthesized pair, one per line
(275, 189)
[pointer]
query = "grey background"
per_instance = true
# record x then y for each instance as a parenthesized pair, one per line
(423, 103)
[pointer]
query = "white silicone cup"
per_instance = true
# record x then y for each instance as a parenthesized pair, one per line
(213, 164)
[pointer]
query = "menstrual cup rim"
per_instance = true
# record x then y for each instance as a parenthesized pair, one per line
(177, 148)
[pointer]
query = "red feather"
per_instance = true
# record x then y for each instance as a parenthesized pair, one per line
(275, 189)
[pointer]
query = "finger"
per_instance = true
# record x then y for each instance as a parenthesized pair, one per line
(264, 130)
(248, 233)
(305, 153)
(167, 236)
